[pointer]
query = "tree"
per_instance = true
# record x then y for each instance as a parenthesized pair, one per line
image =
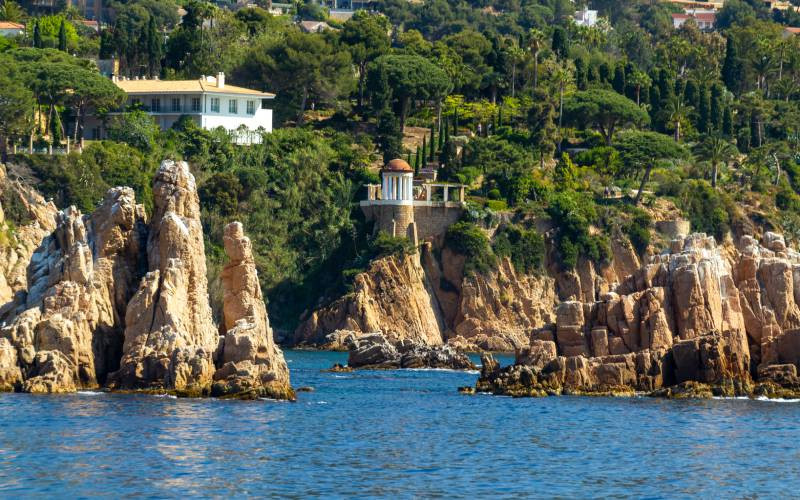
(732, 67)
(301, 68)
(639, 80)
(62, 37)
(677, 112)
(365, 36)
(37, 35)
(536, 39)
(155, 48)
(560, 43)
(16, 102)
(715, 149)
(11, 11)
(135, 128)
(642, 149)
(412, 77)
(605, 110)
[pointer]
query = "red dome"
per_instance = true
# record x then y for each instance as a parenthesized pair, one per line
(398, 165)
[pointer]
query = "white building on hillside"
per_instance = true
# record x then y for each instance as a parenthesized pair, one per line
(208, 101)
(586, 17)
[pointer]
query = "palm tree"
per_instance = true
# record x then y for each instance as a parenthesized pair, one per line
(536, 40)
(562, 77)
(677, 114)
(716, 150)
(639, 80)
(515, 57)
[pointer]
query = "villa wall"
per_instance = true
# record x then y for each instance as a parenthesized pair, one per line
(397, 220)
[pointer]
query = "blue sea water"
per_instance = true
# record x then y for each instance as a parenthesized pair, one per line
(395, 434)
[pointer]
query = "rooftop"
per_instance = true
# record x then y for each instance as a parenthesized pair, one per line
(398, 165)
(207, 84)
(8, 25)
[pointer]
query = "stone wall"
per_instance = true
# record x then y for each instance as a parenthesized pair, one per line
(434, 221)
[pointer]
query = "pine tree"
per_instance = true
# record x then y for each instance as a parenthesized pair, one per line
(732, 67)
(37, 36)
(62, 37)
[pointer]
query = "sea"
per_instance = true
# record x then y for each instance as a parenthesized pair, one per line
(397, 434)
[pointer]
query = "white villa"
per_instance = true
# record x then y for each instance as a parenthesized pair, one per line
(208, 100)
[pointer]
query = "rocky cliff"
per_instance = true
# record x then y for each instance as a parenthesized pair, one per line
(697, 320)
(114, 301)
(430, 299)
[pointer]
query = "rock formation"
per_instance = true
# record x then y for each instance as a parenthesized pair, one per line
(170, 337)
(393, 297)
(697, 320)
(375, 351)
(17, 245)
(251, 363)
(112, 301)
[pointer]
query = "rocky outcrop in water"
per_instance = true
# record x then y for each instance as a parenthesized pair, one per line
(115, 302)
(251, 364)
(375, 351)
(690, 323)
(393, 297)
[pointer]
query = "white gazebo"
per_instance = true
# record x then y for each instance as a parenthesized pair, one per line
(398, 182)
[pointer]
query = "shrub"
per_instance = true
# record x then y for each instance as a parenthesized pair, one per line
(524, 247)
(385, 245)
(708, 210)
(468, 240)
(571, 213)
(638, 230)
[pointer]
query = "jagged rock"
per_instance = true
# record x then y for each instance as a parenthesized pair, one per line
(16, 252)
(684, 325)
(79, 281)
(170, 338)
(376, 351)
(10, 374)
(393, 297)
(251, 362)
(340, 340)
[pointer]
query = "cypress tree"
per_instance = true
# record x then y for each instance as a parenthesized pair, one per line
(581, 76)
(560, 43)
(619, 79)
(655, 107)
(716, 107)
(754, 130)
(62, 37)
(704, 112)
(455, 122)
(442, 133)
(424, 149)
(664, 83)
(691, 94)
(447, 136)
(37, 35)
(417, 161)
(732, 67)
(154, 47)
(727, 122)
(432, 143)
(500, 117)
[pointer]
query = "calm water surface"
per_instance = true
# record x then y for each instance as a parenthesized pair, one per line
(400, 434)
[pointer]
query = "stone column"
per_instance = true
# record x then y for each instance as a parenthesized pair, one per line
(446, 193)
(427, 192)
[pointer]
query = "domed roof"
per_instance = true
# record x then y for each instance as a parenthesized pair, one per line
(398, 165)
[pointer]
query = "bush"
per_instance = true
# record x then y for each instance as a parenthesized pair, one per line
(13, 208)
(524, 247)
(708, 210)
(638, 230)
(385, 245)
(468, 240)
(571, 213)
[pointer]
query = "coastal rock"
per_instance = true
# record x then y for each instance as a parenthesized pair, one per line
(170, 338)
(68, 328)
(251, 363)
(375, 351)
(393, 297)
(687, 324)
(18, 245)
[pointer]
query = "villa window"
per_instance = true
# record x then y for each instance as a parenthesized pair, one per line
(251, 107)
(215, 104)
(176, 105)
(196, 104)
(155, 105)
(233, 107)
